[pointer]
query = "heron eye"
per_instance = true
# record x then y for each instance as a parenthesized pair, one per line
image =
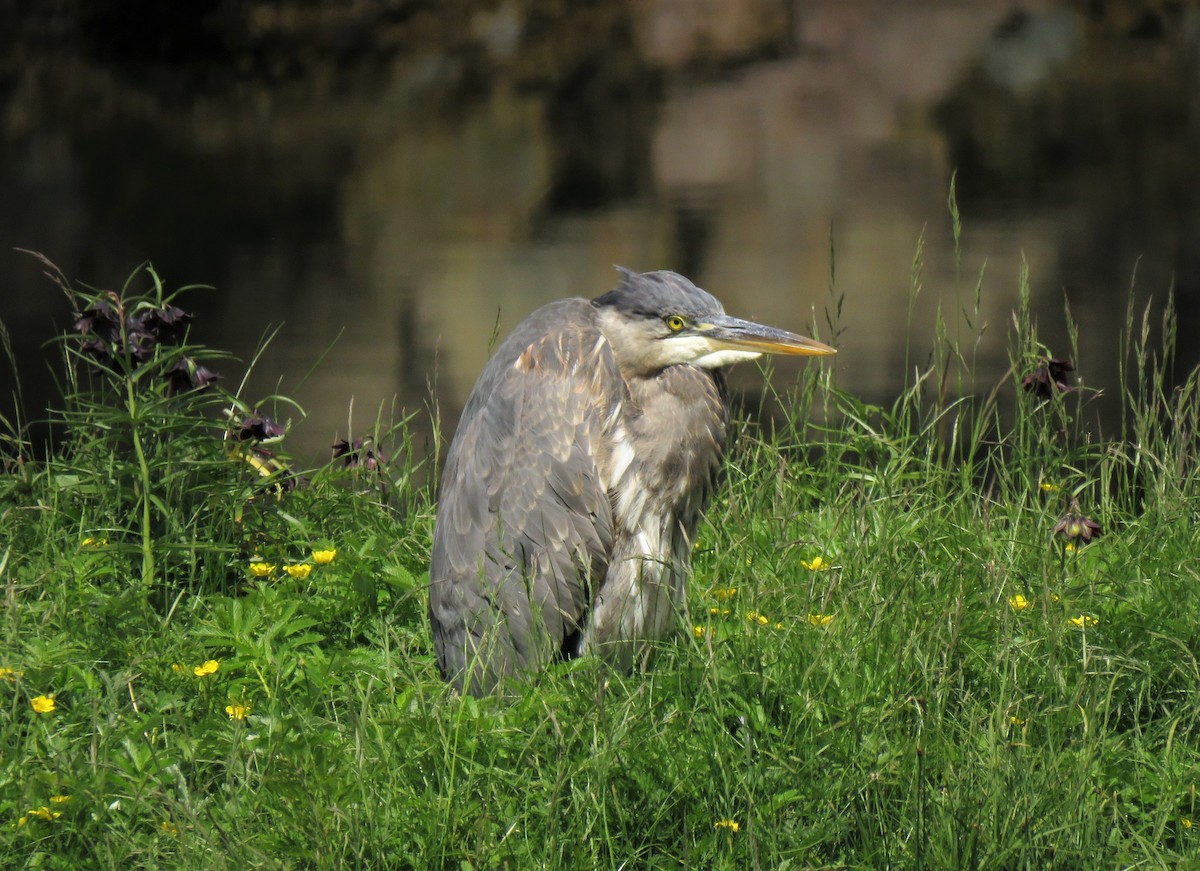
(675, 323)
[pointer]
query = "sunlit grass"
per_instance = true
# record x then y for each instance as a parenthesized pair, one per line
(901, 649)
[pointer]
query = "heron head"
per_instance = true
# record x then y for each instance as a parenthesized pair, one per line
(658, 319)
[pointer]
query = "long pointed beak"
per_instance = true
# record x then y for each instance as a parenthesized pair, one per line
(735, 334)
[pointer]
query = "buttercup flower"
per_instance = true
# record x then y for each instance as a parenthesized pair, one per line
(1082, 621)
(261, 570)
(732, 825)
(43, 813)
(237, 712)
(1016, 721)
(43, 704)
(59, 799)
(698, 631)
(324, 557)
(93, 543)
(209, 667)
(267, 465)
(299, 571)
(760, 619)
(10, 674)
(1019, 602)
(1047, 487)
(719, 612)
(820, 619)
(816, 564)
(724, 594)
(169, 827)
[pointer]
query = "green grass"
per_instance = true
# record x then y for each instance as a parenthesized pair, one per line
(929, 723)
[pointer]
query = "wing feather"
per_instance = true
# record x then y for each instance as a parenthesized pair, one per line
(525, 525)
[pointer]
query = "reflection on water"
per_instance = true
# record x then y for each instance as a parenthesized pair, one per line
(394, 189)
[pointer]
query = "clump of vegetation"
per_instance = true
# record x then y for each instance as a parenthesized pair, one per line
(958, 631)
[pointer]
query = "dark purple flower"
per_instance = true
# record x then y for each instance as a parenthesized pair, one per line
(99, 326)
(166, 324)
(1076, 527)
(357, 454)
(259, 427)
(101, 319)
(203, 377)
(105, 341)
(1050, 377)
(187, 375)
(139, 344)
(97, 350)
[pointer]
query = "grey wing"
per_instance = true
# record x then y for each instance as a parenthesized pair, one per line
(525, 525)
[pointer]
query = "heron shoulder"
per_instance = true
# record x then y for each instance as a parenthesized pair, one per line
(551, 322)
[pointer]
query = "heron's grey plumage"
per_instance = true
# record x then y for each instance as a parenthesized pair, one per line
(583, 460)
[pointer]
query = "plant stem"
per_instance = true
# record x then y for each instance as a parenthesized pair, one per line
(147, 534)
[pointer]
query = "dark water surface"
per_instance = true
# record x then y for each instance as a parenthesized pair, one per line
(393, 183)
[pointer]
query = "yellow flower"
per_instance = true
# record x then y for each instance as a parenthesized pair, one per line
(698, 631)
(760, 619)
(237, 712)
(816, 564)
(1016, 721)
(820, 619)
(175, 666)
(724, 594)
(1019, 602)
(10, 674)
(209, 667)
(261, 570)
(299, 571)
(1047, 487)
(324, 557)
(43, 704)
(44, 813)
(169, 827)
(732, 825)
(1186, 823)
(59, 799)
(1070, 547)
(1082, 620)
(94, 543)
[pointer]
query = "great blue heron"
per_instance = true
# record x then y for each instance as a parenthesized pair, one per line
(583, 460)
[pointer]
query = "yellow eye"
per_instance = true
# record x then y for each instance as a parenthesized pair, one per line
(675, 323)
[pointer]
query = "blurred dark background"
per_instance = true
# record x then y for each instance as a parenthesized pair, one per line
(391, 181)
